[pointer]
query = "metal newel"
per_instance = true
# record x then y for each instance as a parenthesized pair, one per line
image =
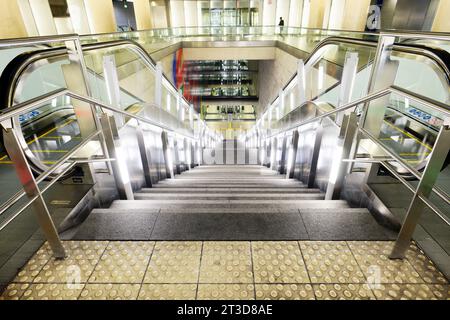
(424, 189)
(31, 188)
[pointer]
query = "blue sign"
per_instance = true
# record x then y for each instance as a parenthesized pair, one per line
(28, 116)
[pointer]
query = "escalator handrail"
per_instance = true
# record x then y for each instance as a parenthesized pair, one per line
(433, 54)
(19, 64)
(10, 113)
(376, 95)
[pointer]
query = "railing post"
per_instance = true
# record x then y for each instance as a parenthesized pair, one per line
(338, 168)
(282, 168)
(145, 155)
(167, 157)
(315, 156)
(293, 157)
(120, 171)
(347, 83)
(424, 189)
(31, 188)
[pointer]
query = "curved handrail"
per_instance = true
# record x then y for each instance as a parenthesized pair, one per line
(56, 52)
(10, 113)
(336, 40)
(381, 93)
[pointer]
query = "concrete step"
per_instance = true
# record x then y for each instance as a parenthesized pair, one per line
(228, 196)
(228, 224)
(228, 185)
(239, 205)
(219, 190)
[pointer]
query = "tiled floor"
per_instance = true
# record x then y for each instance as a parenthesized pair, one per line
(228, 270)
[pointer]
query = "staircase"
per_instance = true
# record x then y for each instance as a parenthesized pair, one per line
(230, 203)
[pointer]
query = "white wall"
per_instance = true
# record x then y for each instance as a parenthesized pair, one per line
(177, 13)
(269, 13)
(305, 13)
(64, 25)
(79, 17)
(43, 17)
(28, 19)
(337, 14)
(295, 13)
(190, 13)
(282, 11)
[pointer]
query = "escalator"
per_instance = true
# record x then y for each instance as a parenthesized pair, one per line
(52, 130)
(409, 130)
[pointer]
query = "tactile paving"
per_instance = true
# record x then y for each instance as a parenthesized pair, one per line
(123, 262)
(373, 258)
(331, 262)
(110, 291)
(77, 267)
(278, 262)
(404, 292)
(226, 262)
(32, 268)
(424, 266)
(174, 262)
(51, 291)
(14, 291)
(226, 292)
(442, 292)
(284, 292)
(168, 292)
(343, 292)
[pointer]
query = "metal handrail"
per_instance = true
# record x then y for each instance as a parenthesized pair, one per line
(55, 52)
(407, 94)
(339, 40)
(26, 106)
(386, 165)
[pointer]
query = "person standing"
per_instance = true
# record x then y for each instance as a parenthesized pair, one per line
(281, 25)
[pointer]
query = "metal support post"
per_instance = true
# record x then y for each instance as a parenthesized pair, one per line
(282, 168)
(339, 169)
(31, 188)
(347, 83)
(315, 156)
(167, 156)
(119, 168)
(424, 189)
(145, 155)
(293, 156)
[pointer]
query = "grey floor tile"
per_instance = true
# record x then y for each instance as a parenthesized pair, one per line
(344, 224)
(228, 226)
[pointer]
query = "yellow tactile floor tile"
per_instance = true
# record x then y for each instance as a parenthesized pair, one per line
(424, 266)
(404, 292)
(373, 258)
(343, 292)
(77, 267)
(51, 291)
(226, 262)
(442, 292)
(110, 291)
(331, 262)
(284, 292)
(278, 262)
(168, 292)
(174, 262)
(14, 291)
(32, 268)
(226, 292)
(123, 262)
